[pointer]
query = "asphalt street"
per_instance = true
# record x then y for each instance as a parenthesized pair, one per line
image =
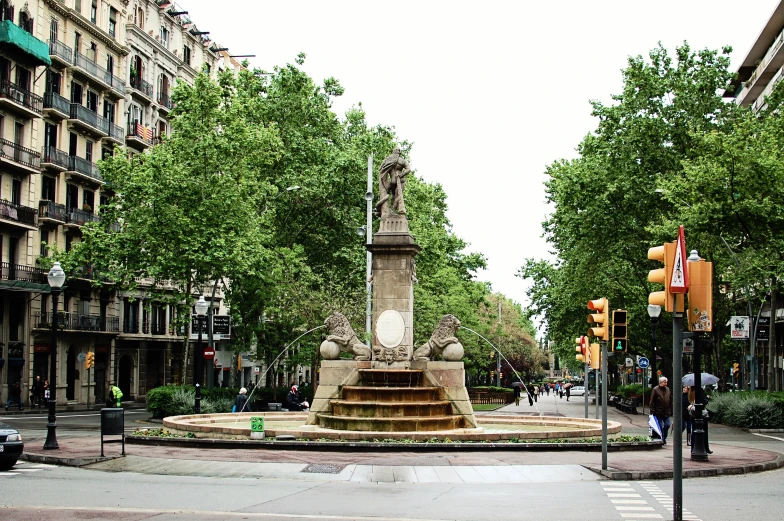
(70, 493)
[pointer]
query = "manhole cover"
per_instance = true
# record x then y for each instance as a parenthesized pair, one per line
(321, 468)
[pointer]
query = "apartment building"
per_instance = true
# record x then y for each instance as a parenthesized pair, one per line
(77, 79)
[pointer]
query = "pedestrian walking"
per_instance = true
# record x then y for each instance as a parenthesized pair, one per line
(661, 400)
(37, 395)
(568, 392)
(14, 395)
(517, 394)
(530, 396)
(687, 399)
(547, 389)
(536, 393)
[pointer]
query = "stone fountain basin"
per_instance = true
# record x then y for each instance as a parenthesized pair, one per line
(491, 428)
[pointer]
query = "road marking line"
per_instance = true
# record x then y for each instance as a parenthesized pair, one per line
(767, 436)
(641, 516)
(614, 484)
(629, 502)
(623, 495)
(7, 473)
(26, 470)
(626, 489)
(639, 509)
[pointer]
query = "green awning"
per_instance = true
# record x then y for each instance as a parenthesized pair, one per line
(29, 50)
(23, 285)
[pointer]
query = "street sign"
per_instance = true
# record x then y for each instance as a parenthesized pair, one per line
(643, 362)
(763, 329)
(629, 362)
(209, 353)
(679, 280)
(257, 371)
(688, 346)
(740, 327)
(81, 357)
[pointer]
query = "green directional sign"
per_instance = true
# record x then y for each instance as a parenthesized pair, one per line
(256, 424)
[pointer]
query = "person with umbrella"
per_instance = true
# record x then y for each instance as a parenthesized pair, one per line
(516, 387)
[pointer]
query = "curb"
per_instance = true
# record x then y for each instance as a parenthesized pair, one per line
(622, 475)
(64, 461)
(350, 446)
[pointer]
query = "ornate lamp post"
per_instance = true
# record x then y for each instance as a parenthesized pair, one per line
(56, 278)
(201, 310)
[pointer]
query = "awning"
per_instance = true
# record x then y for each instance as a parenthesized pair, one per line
(23, 285)
(29, 49)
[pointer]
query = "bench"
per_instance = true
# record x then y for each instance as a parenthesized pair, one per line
(628, 405)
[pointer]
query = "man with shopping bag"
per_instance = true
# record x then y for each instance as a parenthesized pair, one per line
(661, 400)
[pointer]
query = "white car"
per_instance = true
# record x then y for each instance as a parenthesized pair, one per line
(578, 390)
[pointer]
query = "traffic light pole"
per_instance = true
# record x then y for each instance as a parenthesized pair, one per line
(604, 405)
(698, 451)
(596, 395)
(677, 413)
(587, 390)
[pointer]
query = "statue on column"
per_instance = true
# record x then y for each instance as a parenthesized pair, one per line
(391, 183)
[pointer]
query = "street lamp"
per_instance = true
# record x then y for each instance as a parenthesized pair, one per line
(201, 310)
(653, 311)
(56, 278)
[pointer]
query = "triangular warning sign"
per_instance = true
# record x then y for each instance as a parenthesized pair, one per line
(679, 281)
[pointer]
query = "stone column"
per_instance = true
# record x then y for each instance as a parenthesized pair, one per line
(393, 273)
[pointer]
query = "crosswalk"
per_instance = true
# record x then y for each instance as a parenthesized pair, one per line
(23, 467)
(641, 505)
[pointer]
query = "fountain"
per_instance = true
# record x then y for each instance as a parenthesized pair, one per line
(391, 390)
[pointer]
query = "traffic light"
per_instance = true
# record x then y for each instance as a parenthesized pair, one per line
(700, 315)
(595, 356)
(601, 330)
(664, 254)
(735, 368)
(619, 330)
(89, 361)
(581, 355)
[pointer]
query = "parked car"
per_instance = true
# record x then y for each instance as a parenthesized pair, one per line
(11, 446)
(578, 390)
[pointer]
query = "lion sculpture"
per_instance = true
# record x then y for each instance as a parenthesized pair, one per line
(342, 339)
(443, 342)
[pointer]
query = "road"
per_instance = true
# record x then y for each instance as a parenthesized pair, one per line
(69, 493)
(33, 426)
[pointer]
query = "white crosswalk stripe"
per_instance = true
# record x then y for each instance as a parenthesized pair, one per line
(641, 507)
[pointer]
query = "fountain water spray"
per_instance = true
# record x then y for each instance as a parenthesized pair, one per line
(271, 364)
(509, 364)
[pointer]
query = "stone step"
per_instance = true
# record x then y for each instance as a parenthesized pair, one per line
(357, 393)
(391, 378)
(373, 409)
(409, 424)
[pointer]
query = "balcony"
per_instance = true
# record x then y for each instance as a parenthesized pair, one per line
(130, 327)
(51, 212)
(22, 273)
(92, 70)
(88, 120)
(83, 168)
(76, 217)
(77, 322)
(165, 102)
(20, 101)
(116, 133)
(141, 87)
(139, 136)
(61, 53)
(22, 46)
(53, 158)
(56, 106)
(22, 216)
(18, 158)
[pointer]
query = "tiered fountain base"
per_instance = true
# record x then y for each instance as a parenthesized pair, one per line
(429, 397)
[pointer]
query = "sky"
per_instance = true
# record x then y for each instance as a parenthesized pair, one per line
(489, 92)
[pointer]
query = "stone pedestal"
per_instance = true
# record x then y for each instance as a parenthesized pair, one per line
(449, 376)
(394, 273)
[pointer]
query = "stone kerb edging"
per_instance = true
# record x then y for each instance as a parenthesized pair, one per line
(623, 475)
(220, 426)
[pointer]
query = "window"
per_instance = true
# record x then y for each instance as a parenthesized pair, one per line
(23, 77)
(88, 200)
(110, 64)
(53, 30)
(71, 197)
(93, 13)
(88, 151)
(207, 68)
(186, 54)
(72, 144)
(48, 187)
(105, 152)
(16, 191)
(164, 37)
(92, 101)
(138, 17)
(6, 10)
(93, 52)
(26, 21)
(44, 239)
(77, 42)
(112, 22)
(68, 246)
(53, 80)
(108, 110)
(76, 93)
(78, 6)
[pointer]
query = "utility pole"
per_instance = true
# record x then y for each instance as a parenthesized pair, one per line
(604, 404)
(369, 255)
(498, 358)
(677, 414)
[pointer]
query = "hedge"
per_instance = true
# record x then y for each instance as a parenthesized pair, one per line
(750, 410)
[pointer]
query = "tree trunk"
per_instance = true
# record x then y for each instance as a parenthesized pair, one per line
(771, 373)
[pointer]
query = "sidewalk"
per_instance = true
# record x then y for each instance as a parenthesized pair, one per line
(76, 407)
(735, 452)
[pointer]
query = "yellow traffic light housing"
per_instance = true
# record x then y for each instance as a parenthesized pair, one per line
(601, 329)
(700, 315)
(735, 368)
(664, 254)
(89, 361)
(595, 356)
(580, 350)
(620, 330)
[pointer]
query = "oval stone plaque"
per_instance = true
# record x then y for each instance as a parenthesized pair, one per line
(390, 328)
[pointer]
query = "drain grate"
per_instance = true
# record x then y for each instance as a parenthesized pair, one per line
(322, 468)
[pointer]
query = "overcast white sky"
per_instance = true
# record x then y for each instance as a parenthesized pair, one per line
(489, 92)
